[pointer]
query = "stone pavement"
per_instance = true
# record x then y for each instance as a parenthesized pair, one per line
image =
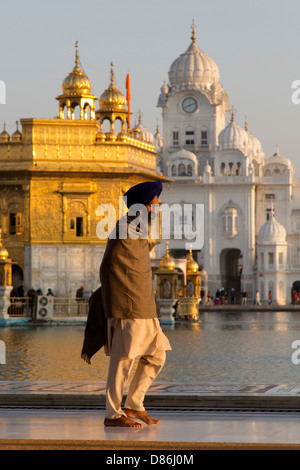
(161, 395)
(193, 416)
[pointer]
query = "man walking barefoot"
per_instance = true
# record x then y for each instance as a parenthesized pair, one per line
(133, 329)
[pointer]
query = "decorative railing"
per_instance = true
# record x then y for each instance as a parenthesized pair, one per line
(62, 307)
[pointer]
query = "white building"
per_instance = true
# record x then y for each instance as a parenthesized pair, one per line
(218, 163)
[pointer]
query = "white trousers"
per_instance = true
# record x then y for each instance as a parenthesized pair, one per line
(120, 366)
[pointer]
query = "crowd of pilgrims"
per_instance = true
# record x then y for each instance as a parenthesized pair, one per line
(222, 297)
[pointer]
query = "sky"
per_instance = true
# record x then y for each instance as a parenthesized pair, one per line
(256, 45)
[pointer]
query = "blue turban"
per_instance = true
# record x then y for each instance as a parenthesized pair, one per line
(143, 193)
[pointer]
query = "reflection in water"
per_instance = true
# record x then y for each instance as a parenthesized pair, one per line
(222, 347)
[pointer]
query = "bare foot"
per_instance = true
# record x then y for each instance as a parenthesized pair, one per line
(122, 422)
(142, 415)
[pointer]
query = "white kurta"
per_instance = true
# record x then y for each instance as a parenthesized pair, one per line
(141, 337)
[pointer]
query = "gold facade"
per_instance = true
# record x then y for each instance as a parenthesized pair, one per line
(54, 173)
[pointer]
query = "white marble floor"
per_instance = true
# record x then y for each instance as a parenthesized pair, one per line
(176, 426)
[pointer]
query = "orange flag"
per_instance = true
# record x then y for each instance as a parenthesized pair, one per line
(128, 98)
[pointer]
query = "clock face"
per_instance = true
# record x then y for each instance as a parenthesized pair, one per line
(189, 105)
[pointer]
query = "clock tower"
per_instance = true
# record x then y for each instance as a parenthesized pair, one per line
(194, 106)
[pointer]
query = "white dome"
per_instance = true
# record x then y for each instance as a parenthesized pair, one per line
(254, 145)
(233, 137)
(183, 154)
(207, 167)
(278, 159)
(145, 134)
(272, 232)
(164, 89)
(193, 69)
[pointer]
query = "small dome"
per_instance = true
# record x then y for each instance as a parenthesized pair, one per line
(167, 263)
(17, 136)
(233, 137)
(278, 159)
(272, 232)
(193, 69)
(112, 98)
(207, 168)
(145, 134)
(191, 265)
(4, 136)
(183, 154)
(162, 99)
(76, 82)
(164, 89)
(254, 144)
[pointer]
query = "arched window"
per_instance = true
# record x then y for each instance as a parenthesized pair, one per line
(230, 222)
(173, 170)
(106, 125)
(190, 170)
(238, 170)
(181, 170)
(222, 169)
(230, 169)
(175, 137)
(204, 137)
(87, 112)
(190, 137)
(117, 125)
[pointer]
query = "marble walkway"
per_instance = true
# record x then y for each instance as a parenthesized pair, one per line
(190, 413)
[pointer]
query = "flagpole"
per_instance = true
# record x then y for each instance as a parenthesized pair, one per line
(128, 98)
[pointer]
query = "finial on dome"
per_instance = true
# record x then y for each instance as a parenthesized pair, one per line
(272, 211)
(112, 74)
(139, 116)
(76, 53)
(246, 123)
(232, 113)
(193, 37)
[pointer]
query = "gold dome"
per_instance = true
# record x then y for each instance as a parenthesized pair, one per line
(191, 265)
(17, 136)
(112, 99)
(76, 82)
(167, 263)
(3, 251)
(4, 136)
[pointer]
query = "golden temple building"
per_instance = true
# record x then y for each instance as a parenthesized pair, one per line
(54, 173)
